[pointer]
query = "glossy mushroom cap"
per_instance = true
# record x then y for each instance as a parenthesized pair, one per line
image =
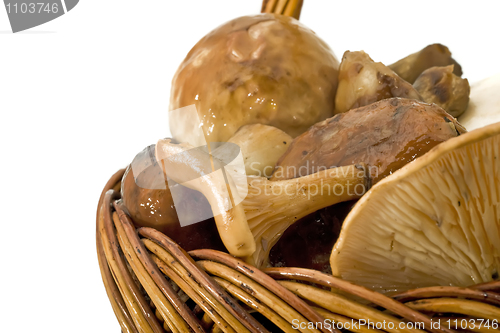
(267, 69)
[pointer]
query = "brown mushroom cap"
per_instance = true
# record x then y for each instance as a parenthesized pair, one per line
(434, 222)
(385, 135)
(441, 86)
(267, 69)
(410, 67)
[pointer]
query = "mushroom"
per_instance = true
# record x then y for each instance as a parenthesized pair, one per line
(484, 105)
(385, 135)
(195, 169)
(440, 86)
(250, 228)
(410, 67)
(363, 81)
(268, 69)
(148, 200)
(434, 222)
(261, 147)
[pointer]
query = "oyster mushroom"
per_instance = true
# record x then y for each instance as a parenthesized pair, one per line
(250, 229)
(434, 222)
(410, 67)
(440, 86)
(268, 69)
(363, 81)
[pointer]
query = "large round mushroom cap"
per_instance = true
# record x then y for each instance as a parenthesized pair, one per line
(267, 69)
(434, 222)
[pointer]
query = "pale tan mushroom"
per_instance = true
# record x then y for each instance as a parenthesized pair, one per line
(261, 147)
(363, 81)
(434, 222)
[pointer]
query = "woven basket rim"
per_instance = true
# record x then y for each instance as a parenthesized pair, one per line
(139, 266)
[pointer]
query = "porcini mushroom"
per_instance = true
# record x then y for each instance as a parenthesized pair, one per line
(410, 67)
(441, 86)
(250, 229)
(434, 222)
(363, 81)
(148, 200)
(266, 68)
(385, 135)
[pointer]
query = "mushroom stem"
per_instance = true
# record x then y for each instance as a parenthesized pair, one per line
(284, 7)
(193, 167)
(272, 206)
(250, 227)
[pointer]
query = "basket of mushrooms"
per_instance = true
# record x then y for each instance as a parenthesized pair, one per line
(303, 193)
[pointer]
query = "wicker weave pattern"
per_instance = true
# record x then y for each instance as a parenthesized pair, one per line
(155, 286)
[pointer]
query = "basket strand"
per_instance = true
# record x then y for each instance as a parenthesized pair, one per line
(157, 277)
(261, 278)
(359, 291)
(114, 295)
(209, 284)
(178, 269)
(255, 304)
(134, 300)
(136, 269)
(447, 291)
(209, 312)
(166, 309)
(117, 303)
(256, 290)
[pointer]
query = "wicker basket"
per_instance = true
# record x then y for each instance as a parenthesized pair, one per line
(155, 286)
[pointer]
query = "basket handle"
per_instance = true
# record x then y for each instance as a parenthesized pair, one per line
(284, 7)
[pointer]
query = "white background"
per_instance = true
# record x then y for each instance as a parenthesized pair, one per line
(81, 95)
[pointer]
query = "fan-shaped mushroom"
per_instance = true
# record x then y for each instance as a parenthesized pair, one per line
(434, 222)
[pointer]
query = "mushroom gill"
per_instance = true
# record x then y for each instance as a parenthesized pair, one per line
(434, 222)
(251, 227)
